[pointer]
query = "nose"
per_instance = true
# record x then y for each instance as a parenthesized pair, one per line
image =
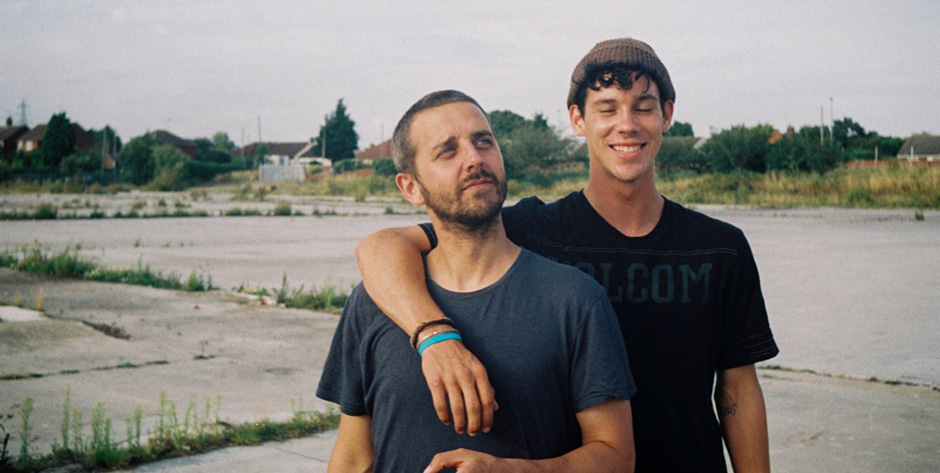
(626, 121)
(473, 158)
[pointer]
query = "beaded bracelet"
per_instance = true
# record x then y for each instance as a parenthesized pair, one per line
(423, 325)
(439, 331)
(438, 338)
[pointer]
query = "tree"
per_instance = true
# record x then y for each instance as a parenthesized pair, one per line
(170, 164)
(680, 129)
(339, 134)
(527, 144)
(222, 142)
(58, 141)
(803, 151)
(678, 153)
(136, 160)
(209, 151)
(107, 139)
(504, 122)
(739, 148)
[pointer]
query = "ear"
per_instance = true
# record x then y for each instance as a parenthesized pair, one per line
(577, 121)
(668, 108)
(410, 188)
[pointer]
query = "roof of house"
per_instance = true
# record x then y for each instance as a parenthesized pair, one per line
(381, 150)
(35, 134)
(12, 132)
(84, 141)
(277, 149)
(167, 138)
(922, 144)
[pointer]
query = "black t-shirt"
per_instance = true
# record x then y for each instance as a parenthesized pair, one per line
(689, 302)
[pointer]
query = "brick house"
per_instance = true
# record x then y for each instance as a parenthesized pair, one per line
(9, 135)
(32, 140)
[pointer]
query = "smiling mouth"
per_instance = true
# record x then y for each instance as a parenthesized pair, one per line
(626, 149)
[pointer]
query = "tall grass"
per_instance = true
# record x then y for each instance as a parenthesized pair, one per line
(69, 263)
(898, 187)
(327, 298)
(200, 430)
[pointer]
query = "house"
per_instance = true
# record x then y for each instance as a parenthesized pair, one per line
(920, 148)
(163, 137)
(381, 150)
(32, 140)
(9, 135)
(281, 153)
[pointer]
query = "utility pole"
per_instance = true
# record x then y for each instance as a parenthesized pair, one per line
(822, 122)
(22, 108)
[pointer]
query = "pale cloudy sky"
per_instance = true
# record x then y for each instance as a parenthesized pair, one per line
(199, 66)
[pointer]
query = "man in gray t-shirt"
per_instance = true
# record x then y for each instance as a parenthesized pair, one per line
(546, 332)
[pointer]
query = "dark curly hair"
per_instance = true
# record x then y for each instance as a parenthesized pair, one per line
(602, 76)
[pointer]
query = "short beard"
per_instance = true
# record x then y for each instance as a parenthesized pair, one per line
(468, 223)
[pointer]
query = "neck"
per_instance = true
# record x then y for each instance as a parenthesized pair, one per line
(466, 261)
(633, 208)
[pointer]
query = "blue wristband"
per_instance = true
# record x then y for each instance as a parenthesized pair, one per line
(437, 338)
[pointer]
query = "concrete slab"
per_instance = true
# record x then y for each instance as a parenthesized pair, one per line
(122, 346)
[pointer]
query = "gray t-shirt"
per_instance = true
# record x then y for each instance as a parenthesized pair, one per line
(547, 336)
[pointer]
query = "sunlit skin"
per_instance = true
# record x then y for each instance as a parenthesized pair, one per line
(459, 168)
(624, 130)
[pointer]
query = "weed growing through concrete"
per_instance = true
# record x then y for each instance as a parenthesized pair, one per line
(201, 430)
(69, 263)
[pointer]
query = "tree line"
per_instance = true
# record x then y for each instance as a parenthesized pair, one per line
(532, 149)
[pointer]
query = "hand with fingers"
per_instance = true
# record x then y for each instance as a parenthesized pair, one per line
(456, 376)
(464, 461)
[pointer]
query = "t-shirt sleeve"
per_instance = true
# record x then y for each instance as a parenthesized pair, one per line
(746, 334)
(600, 371)
(519, 219)
(342, 378)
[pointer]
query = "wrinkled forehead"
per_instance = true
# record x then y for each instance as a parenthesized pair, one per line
(435, 126)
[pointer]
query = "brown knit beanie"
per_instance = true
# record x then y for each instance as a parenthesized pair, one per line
(629, 51)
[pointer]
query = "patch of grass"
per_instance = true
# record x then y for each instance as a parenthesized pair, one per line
(200, 430)
(327, 298)
(282, 209)
(69, 263)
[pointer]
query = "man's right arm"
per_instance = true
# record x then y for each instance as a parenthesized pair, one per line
(393, 274)
(352, 452)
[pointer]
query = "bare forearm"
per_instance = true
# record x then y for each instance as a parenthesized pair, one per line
(606, 447)
(597, 457)
(743, 418)
(393, 275)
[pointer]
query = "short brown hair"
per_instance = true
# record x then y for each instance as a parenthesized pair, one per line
(403, 151)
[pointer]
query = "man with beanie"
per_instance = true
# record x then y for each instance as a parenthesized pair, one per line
(685, 287)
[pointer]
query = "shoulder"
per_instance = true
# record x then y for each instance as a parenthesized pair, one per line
(360, 310)
(531, 216)
(565, 280)
(697, 225)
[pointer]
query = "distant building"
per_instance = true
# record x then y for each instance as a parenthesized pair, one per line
(32, 140)
(381, 150)
(9, 135)
(920, 148)
(163, 137)
(281, 153)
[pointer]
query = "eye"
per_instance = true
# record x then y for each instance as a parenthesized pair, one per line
(446, 152)
(484, 143)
